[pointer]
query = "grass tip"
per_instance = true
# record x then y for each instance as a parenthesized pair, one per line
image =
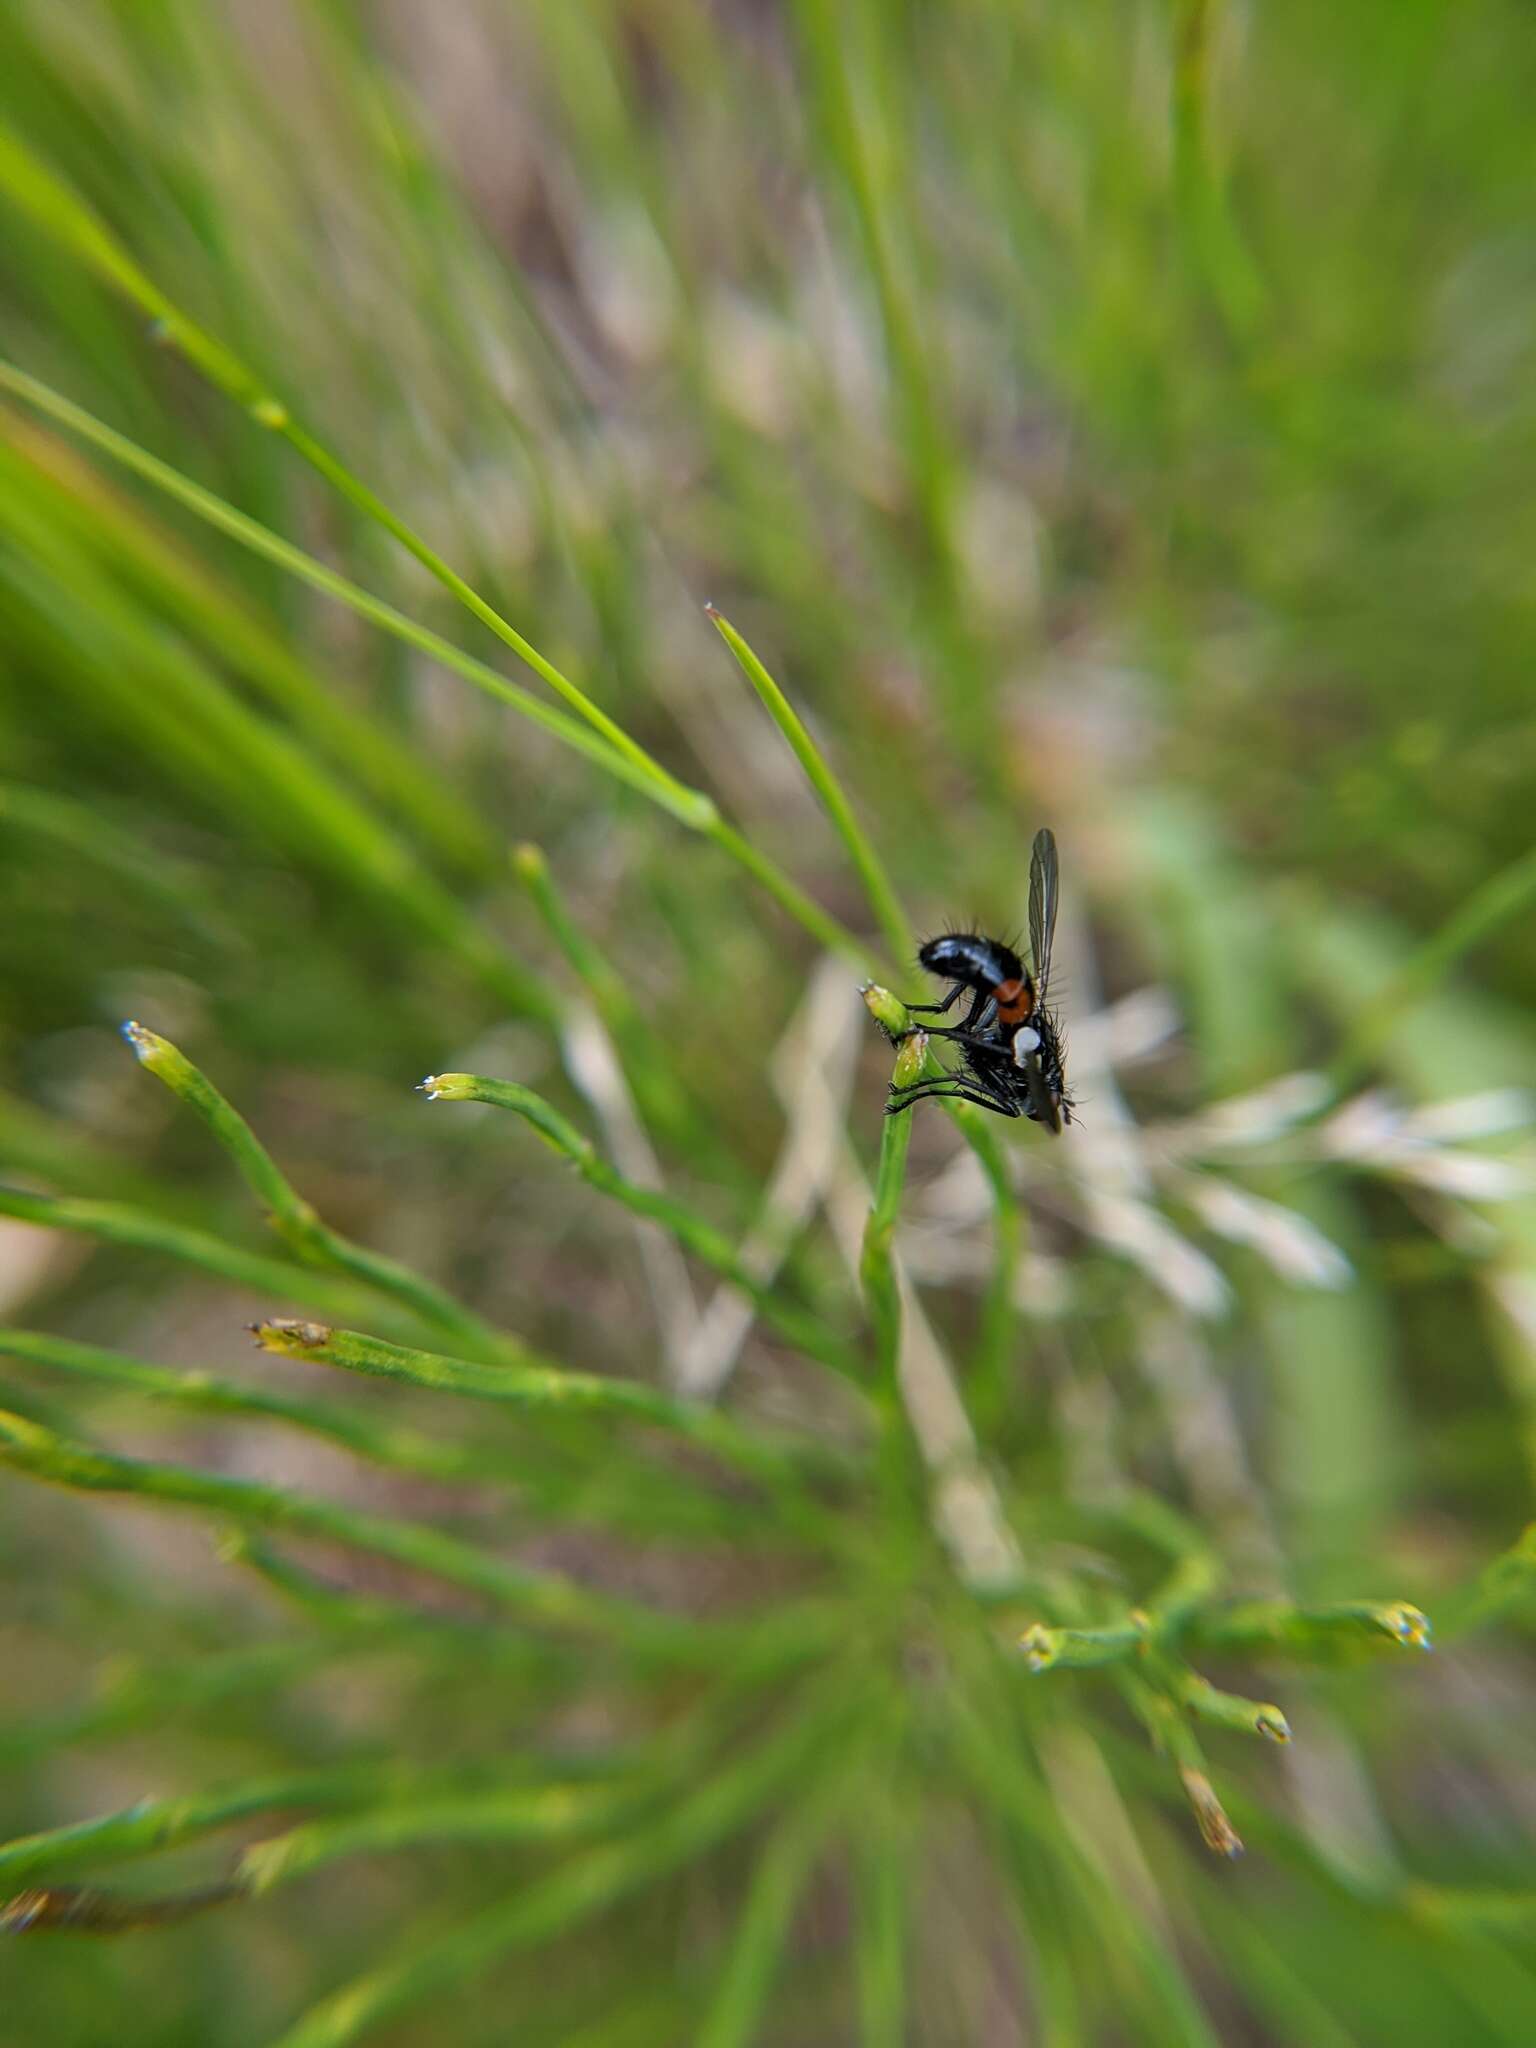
(447, 1087)
(289, 1335)
(888, 1011)
(1410, 1626)
(1038, 1646)
(1216, 1831)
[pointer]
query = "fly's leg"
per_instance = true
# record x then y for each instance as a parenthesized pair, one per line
(933, 1091)
(960, 1034)
(979, 1001)
(941, 1009)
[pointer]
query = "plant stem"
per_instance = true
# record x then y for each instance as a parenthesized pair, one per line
(540, 1597)
(691, 807)
(121, 1223)
(877, 884)
(545, 1389)
(294, 1220)
(691, 1231)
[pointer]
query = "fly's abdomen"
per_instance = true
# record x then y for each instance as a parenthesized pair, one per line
(968, 957)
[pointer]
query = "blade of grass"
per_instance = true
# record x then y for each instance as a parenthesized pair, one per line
(1491, 904)
(691, 1231)
(572, 1896)
(542, 1388)
(877, 1270)
(150, 1826)
(121, 533)
(635, 1498)
(61, 213)
(883, 901)
(1172, 1736)
(881, 1878)
(1268, 1628)
(123, 1223)
(203, 1394)
(294, 1220)
(780, 1873)
(69, 1909)
(692, 808)
(535, 1815)
(156, 687)
(542, 1598)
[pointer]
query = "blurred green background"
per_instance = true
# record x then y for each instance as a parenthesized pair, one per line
(1118, 416)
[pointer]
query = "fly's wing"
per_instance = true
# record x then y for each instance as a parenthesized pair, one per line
(1043, 890)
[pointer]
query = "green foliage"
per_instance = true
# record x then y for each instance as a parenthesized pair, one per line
(759, 1570)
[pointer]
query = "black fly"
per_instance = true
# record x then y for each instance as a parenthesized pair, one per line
(1009, 1039)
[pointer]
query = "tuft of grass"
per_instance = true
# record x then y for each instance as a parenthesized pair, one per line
(1090, 455)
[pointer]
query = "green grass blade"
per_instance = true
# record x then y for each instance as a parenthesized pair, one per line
(782, 1869)
(690, 807)
(541, 1598)
(124, 1223)
(534, 1816)
(575, 1894)
(883, 900)
(881, 1878)
(533, 1386)
(64, 216)
(152, 1825)
(294, 1220)
(692, 1232)
(123, 536)
(877, 1268)
(200, 1393)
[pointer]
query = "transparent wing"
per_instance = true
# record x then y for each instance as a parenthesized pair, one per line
(1043, 890)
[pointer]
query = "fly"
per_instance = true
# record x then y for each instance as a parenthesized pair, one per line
(1009, 1038)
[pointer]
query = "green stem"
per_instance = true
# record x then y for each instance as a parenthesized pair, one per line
(877, 1266)
(1274, 1627)
(1227, 1709)
(60, 212)
(120, 1223)
(529, 1814)
(293, 1218)
(541, 1598)
(1493, 903)
(573, 1895)
(1172, 1734)
(152, 1825)
(877, 884)
(691, 1231)
(691, 807)
(533, 1386)
(406, 1450)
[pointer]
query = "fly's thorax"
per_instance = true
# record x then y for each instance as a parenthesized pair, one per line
(1015, 1000)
